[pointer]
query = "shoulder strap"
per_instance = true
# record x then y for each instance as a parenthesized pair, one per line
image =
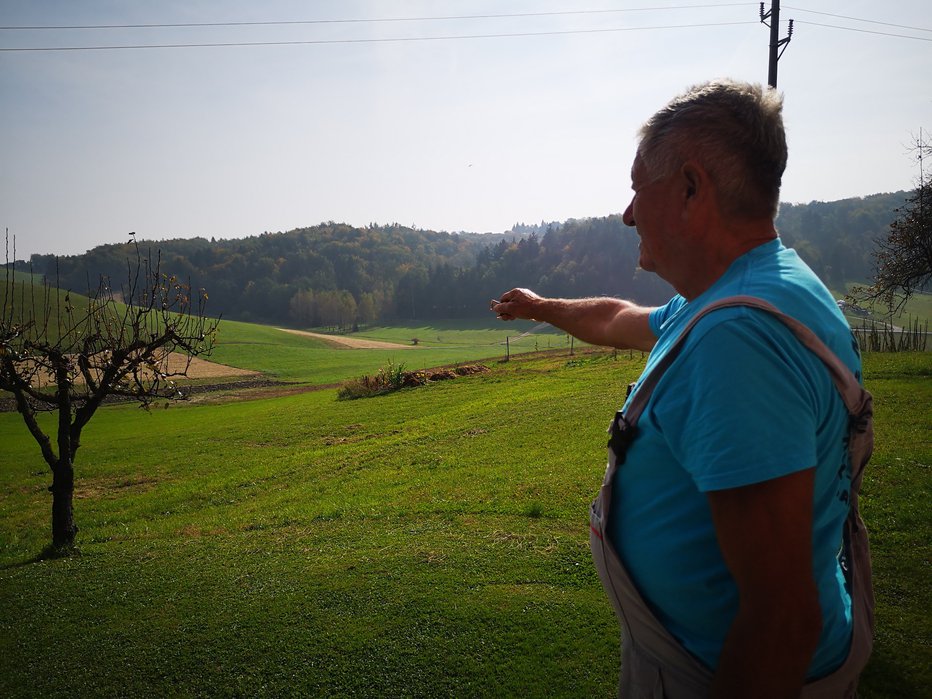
(852, 393)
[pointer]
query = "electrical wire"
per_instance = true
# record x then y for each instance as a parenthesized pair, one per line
(855, 19)
(863, 31)
(435, 38)
(368, 41)
(370, 20)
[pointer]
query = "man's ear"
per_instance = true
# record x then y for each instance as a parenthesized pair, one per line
(695, 179)
(697, 197)
(698, 192)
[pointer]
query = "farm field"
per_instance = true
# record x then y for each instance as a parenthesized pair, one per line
(918, 308)
(284, 356)
(429, 542)
(303, 359)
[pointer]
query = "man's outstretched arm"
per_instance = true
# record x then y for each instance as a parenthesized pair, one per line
(605, 321)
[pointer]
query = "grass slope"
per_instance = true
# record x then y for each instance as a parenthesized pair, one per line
(22, 300)
(290, 357)
(431, 542)
(919, 307)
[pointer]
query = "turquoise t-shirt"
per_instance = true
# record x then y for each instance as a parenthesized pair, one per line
(744, 402)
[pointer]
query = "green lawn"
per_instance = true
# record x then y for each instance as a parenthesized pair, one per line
(291, 357)
(919, 307)
(430, 542)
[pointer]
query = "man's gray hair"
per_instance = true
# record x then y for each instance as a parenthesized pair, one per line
(735, 131)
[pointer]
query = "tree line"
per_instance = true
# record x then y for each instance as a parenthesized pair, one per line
(838, 239)
(340, 276)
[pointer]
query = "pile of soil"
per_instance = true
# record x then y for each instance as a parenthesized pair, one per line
(419, 378)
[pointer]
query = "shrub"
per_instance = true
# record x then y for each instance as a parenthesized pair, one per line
(395, 377)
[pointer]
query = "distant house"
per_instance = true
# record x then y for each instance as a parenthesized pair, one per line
(852, 308)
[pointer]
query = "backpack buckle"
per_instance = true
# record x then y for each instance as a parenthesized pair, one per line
(620, 436)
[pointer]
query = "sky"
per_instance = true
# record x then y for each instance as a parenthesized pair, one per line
(524, 118)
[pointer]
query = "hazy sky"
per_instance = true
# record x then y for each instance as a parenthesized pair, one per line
(450, 134)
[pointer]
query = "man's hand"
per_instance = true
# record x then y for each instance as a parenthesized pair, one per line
(517, 303)
(605, 321)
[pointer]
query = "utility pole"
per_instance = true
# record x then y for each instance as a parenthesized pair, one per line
(777, 45)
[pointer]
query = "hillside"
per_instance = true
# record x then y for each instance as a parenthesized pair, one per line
(837, 238)
(430, 542)
(340, 276)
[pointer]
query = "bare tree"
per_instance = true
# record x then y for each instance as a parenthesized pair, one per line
(904, 257)
(65, 353)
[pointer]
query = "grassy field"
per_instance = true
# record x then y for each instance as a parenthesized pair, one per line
(301, 359)
(430, 542)
(919, 307)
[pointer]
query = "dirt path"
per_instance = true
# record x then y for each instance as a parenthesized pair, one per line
(197, 369)
(349, 342)
(204, 369)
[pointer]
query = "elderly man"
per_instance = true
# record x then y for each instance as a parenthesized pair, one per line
(723, 530)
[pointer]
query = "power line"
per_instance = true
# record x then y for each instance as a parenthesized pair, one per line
(856, 19)
(864, 31)
(369, 20)
(368, 41)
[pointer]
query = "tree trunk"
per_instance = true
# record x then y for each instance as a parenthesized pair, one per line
(62, 489)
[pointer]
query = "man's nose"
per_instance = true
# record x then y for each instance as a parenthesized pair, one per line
(628, 216)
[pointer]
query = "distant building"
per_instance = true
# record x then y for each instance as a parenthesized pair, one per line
(852, 308)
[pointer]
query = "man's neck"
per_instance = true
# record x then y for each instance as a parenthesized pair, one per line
(712, 258)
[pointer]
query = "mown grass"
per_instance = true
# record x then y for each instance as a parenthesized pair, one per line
(470, 332)
(25, 300)
(896, 495)
(290, 357)
(430, 542)
(918, 307)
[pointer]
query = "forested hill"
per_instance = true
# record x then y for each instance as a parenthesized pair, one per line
(837, 238)
(338, 275)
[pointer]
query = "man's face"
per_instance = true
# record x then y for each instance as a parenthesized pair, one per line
(653, 212)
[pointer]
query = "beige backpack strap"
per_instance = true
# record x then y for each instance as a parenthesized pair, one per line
(848, 387)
